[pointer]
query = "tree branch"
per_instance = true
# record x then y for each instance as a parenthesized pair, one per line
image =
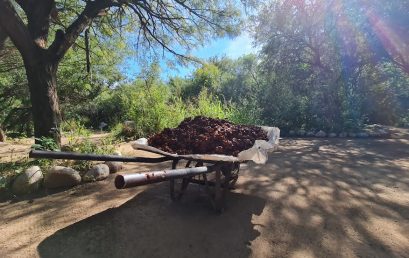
(12, 25)
(64, 40)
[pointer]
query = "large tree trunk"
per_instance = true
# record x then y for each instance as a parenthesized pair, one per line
(42, 82)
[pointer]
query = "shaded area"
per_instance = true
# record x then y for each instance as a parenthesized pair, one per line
(150, 225)
(350, 199)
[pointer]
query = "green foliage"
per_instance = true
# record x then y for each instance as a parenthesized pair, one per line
(45, 143)
(246, 112)
(326, 73)
(151, 108)
(155, 109)
(4, 183)
(73, 130)
(15, 113)
(151, 105)
(208, 105)
(104, 146)
(207, 77)
(78, 141)
(9, 170)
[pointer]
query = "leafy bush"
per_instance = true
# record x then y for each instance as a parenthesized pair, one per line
(45, 143)
(74, 128)
(105, 146)
(153, 108)
(208, 105)
(247, 112)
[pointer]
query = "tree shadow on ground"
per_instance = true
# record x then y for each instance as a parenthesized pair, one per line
(150, 225)
(350, 199)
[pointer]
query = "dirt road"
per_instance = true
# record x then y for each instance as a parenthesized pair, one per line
(349, 199)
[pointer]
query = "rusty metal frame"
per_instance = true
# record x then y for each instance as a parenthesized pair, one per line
(226, 175)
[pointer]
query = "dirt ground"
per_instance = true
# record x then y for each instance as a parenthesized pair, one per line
(349, 199)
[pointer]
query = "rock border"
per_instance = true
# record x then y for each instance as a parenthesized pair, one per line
(380, 133)
(99, 171)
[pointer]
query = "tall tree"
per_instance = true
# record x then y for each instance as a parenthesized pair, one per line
(157, 23)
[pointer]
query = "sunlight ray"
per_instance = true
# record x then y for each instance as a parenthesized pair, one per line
(390, 37)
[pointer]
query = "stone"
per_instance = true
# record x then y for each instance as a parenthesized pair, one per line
(96, 173)
(321, 134)
(352, 135)
(332, 135)
(128, 128)
(383, 133)
(142, 141)
(59, 176)
(117, 153)
(343, 135)
(315, 148)
(114, 166)
(129, 125)
(301, 133)
(310, 134)
(362, 135)
(374, 134)
(377, 126)
(28, 181)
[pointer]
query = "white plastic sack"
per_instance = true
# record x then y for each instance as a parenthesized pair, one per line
(258, 153)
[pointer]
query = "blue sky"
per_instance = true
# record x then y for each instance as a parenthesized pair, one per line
(230, 47)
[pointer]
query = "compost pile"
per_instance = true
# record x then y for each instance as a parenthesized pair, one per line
(203, 135)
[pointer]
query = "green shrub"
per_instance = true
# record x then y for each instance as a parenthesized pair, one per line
(104, 146)
(153, 109)
(74, 129)
(208, 105)
(247, 112)
(45, 143)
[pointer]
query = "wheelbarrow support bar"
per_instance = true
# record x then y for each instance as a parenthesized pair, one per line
(132, 180)
(94, 157)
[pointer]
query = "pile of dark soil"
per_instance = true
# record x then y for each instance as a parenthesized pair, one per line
(203, 135)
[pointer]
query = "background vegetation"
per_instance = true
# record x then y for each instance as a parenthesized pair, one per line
(320, 65)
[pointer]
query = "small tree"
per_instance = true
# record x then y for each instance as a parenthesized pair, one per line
(29, 23)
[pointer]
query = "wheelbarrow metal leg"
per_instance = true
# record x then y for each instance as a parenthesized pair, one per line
(172, 181)
(185, 183)
(218, 194)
